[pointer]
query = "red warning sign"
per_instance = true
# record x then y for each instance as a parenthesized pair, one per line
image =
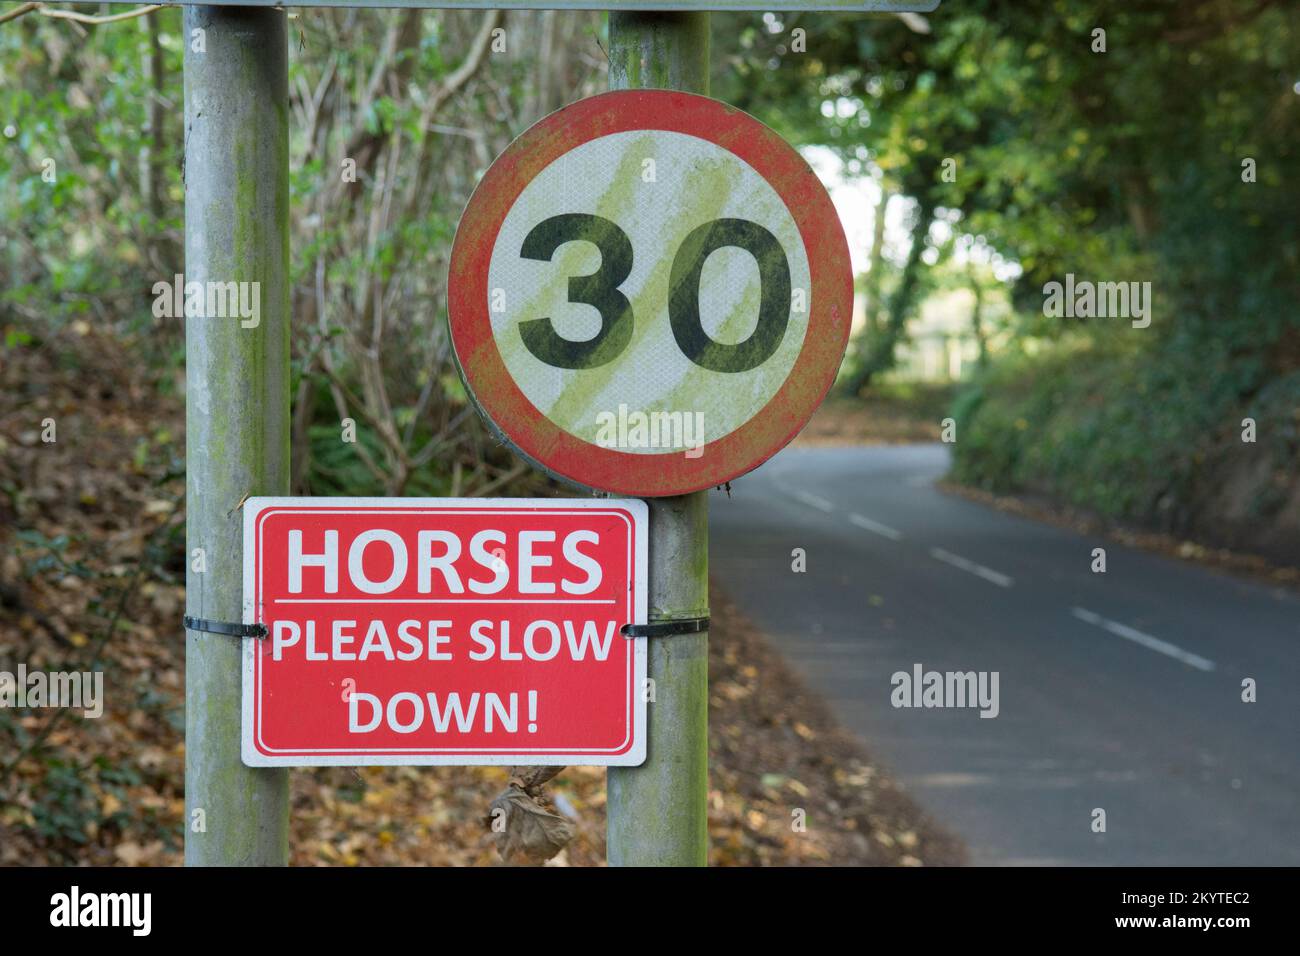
(444, 631)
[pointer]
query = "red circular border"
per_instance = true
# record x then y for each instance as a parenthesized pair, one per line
(521, 423)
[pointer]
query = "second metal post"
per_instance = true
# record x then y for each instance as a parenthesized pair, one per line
(657, 813)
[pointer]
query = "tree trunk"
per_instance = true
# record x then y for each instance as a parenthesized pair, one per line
(876, 272)
(882, 346)
(161, 250)
(977, 314)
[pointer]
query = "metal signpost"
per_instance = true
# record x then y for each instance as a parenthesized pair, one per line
(741, 316)
(236, 406)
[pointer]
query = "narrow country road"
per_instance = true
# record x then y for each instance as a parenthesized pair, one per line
(1120, 691)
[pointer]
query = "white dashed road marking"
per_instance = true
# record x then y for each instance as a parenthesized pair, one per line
(988, 574)
(875, 527)
(1146, 640)
(812, 501)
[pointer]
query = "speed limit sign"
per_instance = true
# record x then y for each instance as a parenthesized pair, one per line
(650, 293)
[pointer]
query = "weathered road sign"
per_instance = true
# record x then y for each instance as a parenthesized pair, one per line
(650, 293)
(444, 631)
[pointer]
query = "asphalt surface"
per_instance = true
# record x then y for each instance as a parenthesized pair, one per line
(1120, 691)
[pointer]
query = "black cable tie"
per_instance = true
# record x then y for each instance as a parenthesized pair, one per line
(222, 627)
(683, 625)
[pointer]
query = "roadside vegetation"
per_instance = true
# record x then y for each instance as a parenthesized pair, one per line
(1023, 144)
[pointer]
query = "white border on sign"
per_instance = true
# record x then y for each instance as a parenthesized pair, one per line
(634, 756)
(266, 749)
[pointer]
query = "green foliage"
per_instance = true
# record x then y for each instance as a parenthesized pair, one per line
(1116, 433)
(66, 805)
(81, 98)
(69, 807)
(393, 116)
(337, 467)
(1122, 165)
(47, 557)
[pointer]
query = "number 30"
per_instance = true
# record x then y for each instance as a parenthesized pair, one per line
(600, 290)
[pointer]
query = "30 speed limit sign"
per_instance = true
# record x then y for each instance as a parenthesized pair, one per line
(650, 293)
